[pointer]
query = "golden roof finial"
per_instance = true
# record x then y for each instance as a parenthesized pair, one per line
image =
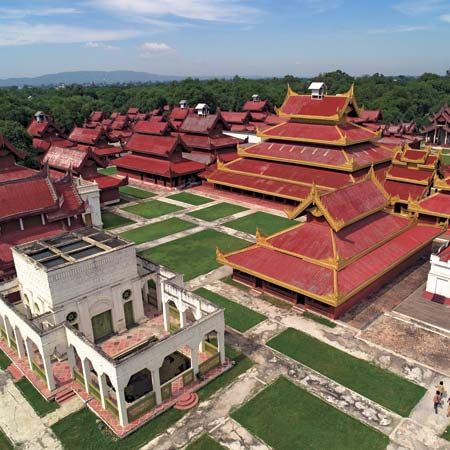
(260, 238)
(220, 256)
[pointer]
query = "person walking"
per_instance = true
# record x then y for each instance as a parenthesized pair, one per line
(440, 388)
(436, 401)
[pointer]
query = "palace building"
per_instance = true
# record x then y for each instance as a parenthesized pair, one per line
(86, 316)
(349, 246)
(83, 162)
(315, 144)
(438, 132)
(157, 155)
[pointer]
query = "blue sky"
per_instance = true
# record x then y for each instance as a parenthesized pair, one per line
(225, 37)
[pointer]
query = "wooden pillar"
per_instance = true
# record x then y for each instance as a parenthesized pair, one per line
(71, 360)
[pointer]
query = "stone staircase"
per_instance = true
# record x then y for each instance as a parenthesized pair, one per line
(64, 395)
(186, 401)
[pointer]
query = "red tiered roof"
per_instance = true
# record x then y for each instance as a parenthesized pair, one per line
(305, 105)
(15, 172)
(334, 134)
(404, 191)
(72, 158)
(363, 155)
(162, 167)
(415, 176)
(235, 117)
(195, 124)
(96, 116)
(216, 142)
(437, 205)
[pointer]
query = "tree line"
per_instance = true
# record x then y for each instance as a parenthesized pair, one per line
(401, 98)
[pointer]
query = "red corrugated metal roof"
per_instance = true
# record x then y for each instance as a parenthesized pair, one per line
(37, 129)
(438, 203)
(351, 202)
(193, 123)
(178, 113)
(107, 182)
(151, 127)
(152, 145)
(364, 154)
(149, 165)
(415, 176)
(288, 172)
(89, 136)
(405, 190)
(15, 172)
(235, 117)
(339, 134)
(198, 141)
(65, 158)
(305, 105)
(251, 105)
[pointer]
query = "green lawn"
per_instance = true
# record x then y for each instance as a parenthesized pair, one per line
(237, 316)
(136, 192)
(194, 255)
(79, 431)
(152, 209)
(111, 170)
(191, 199)
(267, 223)
(287, 417)
(217, 211)
(319, 319)
(373, 382)
(41, 406)
(267, 298)
(5, 443)
(205, 443)
(157, 230)
(446, 434)
(4, 361)
(111, 220)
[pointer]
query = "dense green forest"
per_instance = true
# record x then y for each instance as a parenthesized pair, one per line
(401, 98)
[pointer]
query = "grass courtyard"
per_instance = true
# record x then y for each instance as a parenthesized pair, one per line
(446, 434)
(111, 220)
(79, 431)
(218, 211)
(41, 406)
(237, 316)
(369, 380)
(205, 443)
(191, 199)
(111, 170)
(157, 230)
(5, 443)
(195, 254)
(267, 223)
(152, 209)
(287, 417)
(136, 192)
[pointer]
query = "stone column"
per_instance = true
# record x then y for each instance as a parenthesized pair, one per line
(183, 320)
(221, 345)
(8, 331)
(19, 343)
(71, 360)
(86, 365)
(194, 359)
(29, 347)
(103, 389)
(166, 314)
(159, 287)
(46, 360)
(156, 385)
(121, 405)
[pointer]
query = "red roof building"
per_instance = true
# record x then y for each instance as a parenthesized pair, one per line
(33, 207)
(83, 162)
(256, 105)
(10, 156)
(157, 156)
(203, 136)
(404, 133)
(349, 246)
(438, 132)
(311, 142)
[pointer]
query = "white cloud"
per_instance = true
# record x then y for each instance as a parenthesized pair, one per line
(101, 45)
(18, 13)
(445, 18)
(398, 29)
(209, 10)
(23, 33)
(418, 7)
(155, 48)
(320, 6)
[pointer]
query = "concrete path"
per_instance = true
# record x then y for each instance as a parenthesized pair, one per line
(19, 421)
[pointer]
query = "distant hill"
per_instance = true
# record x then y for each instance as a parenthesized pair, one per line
(88, 77)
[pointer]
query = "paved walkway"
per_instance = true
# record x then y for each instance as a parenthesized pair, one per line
(19, 421)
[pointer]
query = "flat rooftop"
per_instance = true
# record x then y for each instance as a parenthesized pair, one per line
(71, 247)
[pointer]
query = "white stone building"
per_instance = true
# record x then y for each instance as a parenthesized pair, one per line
(124, 327)
(438, 282)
